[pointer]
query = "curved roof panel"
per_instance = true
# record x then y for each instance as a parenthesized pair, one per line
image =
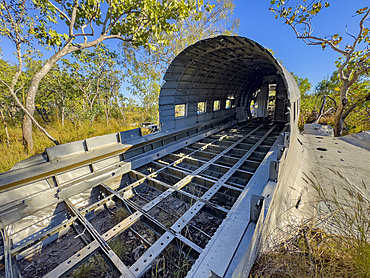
(220, 68)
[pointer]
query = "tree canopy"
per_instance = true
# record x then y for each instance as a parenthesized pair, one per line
(354, 60)
(145, 78)
(304, 84)
(71, 26)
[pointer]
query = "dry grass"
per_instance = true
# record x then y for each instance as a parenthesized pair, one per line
(173, 262)
(14, 151)
(119, 215)
(310, 252)
(334, 243)
(95, 266)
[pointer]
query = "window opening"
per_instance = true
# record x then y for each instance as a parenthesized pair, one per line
(232, 101)
(253, 108)
(271, 99)
(180, 110)
(216, 105)
(228, 104)
(201, 107)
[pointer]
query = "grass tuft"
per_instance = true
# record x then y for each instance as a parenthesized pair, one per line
(333, 243)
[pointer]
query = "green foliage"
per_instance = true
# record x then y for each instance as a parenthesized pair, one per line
(301, 13)
(355, 58)
(96, 80)
(74, 129)
(304, 84)
(72, 95)
(61, 103)
(145, 67)
(137, 20)
(87, 24)
(357, 115)
(6, 70)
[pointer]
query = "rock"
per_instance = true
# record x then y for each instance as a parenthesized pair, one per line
(317, 129)
(361, 139)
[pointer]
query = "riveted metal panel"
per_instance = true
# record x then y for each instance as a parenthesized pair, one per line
(166, 100)
(70, 175)
(130, 135)
(21, 192)
(61, 151)
(101, 141)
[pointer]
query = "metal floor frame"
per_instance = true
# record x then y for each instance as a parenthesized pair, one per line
(206, 176)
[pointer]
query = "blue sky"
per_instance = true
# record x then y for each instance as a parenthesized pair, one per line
(260, 25)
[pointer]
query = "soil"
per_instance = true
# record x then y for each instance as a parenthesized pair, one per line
(50, 256)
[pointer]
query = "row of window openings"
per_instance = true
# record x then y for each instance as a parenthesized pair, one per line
(180, 109)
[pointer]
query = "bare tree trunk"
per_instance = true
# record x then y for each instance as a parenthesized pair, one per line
(63, 112)
(321, 110)
(338, 119)
(120, 108)
(107, 116)
(33, 120)
(96, 95)
(35, 81)
(123, 115)
(5, 125)
(353, 106)
(107, 110)
(30, 99)
(42, 115)
(107, 119)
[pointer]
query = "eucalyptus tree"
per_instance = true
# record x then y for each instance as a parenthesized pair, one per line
(111, 86)
(358, 96)
(65, 94)
(354, 61)
(69, 26)
(89, 68)
(146, 67)
(5, 101)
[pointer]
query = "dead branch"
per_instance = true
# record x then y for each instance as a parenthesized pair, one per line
(321, 110)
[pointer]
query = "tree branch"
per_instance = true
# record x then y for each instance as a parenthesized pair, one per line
(60, 11)
(361, 24)
(14, 94)
(80, 46)
(112, 23)
(318, 39)
(73, 18)
(92, 28)
(333, 100)
(350, 34)
(109, 12)
(321, 110)
(307, 37)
